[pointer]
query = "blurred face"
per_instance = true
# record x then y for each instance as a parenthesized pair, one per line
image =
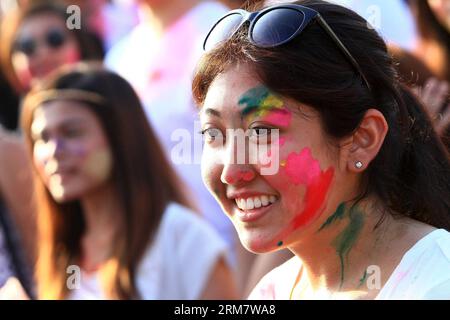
(441, 9)
(71, 153)
(43, 43)
(269, 209)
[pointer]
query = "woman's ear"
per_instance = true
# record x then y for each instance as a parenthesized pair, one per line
(367, 140)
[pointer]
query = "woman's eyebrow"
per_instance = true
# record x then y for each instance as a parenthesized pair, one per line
(212, 112)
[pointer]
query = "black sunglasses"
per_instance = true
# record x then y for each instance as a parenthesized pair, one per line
(272, 27)
(54, 39)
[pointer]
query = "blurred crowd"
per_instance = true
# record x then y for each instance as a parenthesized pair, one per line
(95, 187)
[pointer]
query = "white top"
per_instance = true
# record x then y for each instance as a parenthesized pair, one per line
(160, 68)
(178, 263)
(6, 269)
(423, 273)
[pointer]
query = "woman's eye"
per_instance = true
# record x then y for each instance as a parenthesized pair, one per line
(211, 134)
(40, 138)
(260, 134)
(259, 131)
(72, 133)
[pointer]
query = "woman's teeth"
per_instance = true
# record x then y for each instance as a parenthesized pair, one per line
(255, 202)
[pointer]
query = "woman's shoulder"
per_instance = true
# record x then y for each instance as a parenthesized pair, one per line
(424, 269)
(277, 284)
(180, 257)
(177, 217)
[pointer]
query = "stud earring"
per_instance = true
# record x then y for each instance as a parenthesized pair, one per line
(359, 165)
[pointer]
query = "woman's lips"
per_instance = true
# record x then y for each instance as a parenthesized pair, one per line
(252, 214)
(253, 208)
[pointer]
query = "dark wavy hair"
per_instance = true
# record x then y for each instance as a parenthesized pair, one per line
(411, 173)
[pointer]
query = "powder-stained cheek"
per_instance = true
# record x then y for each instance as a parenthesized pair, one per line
(99, 164)
(302, 169)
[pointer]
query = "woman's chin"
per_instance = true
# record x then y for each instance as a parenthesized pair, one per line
(258, 245)
(62, 196)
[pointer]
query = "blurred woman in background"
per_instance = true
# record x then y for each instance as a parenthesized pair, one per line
(427, 66)
(35, 40)
(108, 201)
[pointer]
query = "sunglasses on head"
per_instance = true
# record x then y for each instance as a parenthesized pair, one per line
(54, 39)
(272, 27)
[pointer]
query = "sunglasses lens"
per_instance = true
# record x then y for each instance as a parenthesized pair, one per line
(223, 30)
(276, 26)
(27, 46)
(55, 38)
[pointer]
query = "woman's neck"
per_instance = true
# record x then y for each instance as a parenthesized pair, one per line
(352, 255)
(162, 15)
(101, 212)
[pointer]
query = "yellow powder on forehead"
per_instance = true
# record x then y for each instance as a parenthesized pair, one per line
(272, 101)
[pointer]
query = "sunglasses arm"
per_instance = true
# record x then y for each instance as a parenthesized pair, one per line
(343, 48)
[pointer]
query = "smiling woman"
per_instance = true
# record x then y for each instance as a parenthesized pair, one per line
(361, 188)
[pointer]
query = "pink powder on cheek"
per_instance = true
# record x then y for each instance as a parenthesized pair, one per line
(302, 168)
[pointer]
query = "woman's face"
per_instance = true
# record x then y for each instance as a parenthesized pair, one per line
(269, 208)
(441, 9)
(70, 153)
(43, 43)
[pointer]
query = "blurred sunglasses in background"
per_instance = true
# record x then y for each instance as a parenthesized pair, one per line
(54, 38)
(272, 27)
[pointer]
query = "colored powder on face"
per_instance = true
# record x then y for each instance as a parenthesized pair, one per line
(99, 164)
(281, 141)
(246, 175)
(347, 238)
(315, 196)
(337, 215)
(78, 150)
(363, 279)
(302, 168)
(280, 118)
(261, 100)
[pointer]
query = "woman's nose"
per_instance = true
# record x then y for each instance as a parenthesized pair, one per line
(233, 174)
(56, 148)
(236, 168)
